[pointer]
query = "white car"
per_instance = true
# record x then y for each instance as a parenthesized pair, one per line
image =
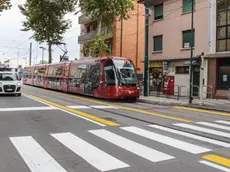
(10, 83)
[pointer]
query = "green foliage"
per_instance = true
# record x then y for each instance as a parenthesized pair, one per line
(99, 46)
(46, 19)
(107, 11)
(4, 5)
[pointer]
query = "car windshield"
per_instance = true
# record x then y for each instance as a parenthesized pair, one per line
(8, 76)
(126, 72)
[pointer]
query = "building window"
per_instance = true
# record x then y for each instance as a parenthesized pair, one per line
(223, 26)
(187, 6)
(158, 12)
(188, 39)
(158, 43)
(182, 69)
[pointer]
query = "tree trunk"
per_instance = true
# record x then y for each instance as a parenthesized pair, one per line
(50, 52)
(99, 27)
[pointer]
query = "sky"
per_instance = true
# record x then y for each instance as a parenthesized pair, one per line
(16, 43)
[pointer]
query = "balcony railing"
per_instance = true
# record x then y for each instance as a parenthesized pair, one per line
(89, 36)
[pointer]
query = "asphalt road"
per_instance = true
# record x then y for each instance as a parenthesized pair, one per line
(48, 131)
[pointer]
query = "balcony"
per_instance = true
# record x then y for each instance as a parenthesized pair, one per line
(83, 19)
(88, 37)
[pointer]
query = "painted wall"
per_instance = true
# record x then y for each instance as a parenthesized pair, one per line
(171, 28)
(133, 37)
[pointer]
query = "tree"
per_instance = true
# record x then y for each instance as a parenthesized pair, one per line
(46, 19)
(99, 46)
(105, 11)
(4, 5)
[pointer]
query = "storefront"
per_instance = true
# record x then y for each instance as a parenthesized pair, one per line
(155, 75)
(219, 76)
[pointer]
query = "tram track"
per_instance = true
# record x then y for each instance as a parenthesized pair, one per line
(127, 116)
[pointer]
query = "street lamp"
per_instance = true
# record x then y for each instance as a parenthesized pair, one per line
(42, 53)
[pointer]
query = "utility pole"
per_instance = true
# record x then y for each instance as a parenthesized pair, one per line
(121, 41)
(191, 55)
(30, 53)
(201, 78)
(137, 36)
(146, 72)
(42, 54)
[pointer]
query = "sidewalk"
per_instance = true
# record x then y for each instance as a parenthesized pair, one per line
(209, 104)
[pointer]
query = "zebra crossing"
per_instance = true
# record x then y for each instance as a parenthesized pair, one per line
(130, 140)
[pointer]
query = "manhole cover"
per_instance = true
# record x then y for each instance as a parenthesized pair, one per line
(110, 119)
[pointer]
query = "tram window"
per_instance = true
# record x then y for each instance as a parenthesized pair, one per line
(59, 71)
(110, 75)
(95, 75)
(109, 72)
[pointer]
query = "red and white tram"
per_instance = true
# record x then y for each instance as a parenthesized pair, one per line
(107, 77)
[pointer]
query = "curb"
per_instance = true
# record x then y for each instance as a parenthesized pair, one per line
(184, 105)
(161, 103)
(208, 108)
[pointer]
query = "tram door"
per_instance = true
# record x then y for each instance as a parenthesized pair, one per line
(93, 78)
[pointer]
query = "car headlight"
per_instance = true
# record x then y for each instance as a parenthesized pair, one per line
(18, 84)
(0, 84)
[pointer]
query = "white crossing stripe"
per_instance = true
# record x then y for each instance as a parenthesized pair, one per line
(79, 107)
(94, 156)
(224, 122)
(205, 130)
(219, 167)
(214, 125)
(104, 107)
(193, 136)
(27, 109)
(134, 147)
(188, 147)
(36, 158)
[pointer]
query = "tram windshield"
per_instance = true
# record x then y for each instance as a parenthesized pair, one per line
(126, 72)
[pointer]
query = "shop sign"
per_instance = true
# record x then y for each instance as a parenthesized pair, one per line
(165, 67)
(186, 45)
(156, 64)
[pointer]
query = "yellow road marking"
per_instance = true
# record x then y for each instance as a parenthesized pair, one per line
(217, 159)
(201, 110)
(122, 107)
(89, 116)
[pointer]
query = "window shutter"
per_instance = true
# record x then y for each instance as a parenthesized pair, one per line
(187, 38)
(158, 43)
(187, 5)
(158, 11)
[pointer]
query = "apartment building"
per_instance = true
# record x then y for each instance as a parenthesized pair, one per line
(127, 38)
(170, 40)
(219, 49)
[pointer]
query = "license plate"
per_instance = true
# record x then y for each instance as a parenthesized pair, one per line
(9, 89)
